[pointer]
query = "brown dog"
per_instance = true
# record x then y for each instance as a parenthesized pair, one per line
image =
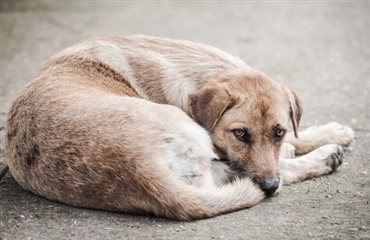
(112, 123)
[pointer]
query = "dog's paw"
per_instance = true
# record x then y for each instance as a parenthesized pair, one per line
(331, 155)
(340, 134)
(334, 132)
(336, 159)
(323, 160)
(287, 151)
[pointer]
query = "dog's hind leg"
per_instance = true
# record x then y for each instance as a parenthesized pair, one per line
(317, 136)
(323, 160)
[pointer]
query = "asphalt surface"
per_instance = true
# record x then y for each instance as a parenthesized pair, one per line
(320, 49)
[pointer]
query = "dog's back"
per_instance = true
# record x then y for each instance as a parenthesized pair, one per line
(161, 70)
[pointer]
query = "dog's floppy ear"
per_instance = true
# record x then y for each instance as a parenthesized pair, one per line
(208, 105)
(295, 102)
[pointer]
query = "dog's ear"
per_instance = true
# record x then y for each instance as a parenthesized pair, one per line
(209, 104)
(296, 109)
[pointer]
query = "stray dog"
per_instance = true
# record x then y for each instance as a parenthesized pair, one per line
(149, 125)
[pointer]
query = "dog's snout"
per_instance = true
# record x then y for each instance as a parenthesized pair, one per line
(269, 186)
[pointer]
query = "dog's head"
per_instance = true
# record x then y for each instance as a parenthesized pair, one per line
(248, 115)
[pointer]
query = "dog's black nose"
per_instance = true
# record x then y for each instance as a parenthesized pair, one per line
(269, 186)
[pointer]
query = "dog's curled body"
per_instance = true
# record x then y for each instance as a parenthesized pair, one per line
(149, 125)
(95, 128)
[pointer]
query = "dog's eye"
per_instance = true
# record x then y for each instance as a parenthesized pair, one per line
(239, 133)
(279, 133)
(242, 134)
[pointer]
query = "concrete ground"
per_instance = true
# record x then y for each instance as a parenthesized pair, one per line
(321, 49)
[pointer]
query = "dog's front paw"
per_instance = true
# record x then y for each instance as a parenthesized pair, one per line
(336, 159)
(340, 134)
(334, 132)
(332, 157)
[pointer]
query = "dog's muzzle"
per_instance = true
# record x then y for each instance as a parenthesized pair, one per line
(269, 185)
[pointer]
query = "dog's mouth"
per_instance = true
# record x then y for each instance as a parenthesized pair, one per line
(237, 171)
(269, 186)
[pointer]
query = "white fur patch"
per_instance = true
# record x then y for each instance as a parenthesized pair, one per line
(189, 154)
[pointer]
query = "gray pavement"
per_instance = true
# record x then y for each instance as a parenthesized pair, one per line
(321, 49)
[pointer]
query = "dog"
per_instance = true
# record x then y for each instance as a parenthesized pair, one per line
(178, 129)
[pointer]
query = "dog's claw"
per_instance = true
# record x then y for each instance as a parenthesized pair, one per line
(336, 160)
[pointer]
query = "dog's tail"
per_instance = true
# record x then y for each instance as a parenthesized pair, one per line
(189, 203)
(240, 194)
